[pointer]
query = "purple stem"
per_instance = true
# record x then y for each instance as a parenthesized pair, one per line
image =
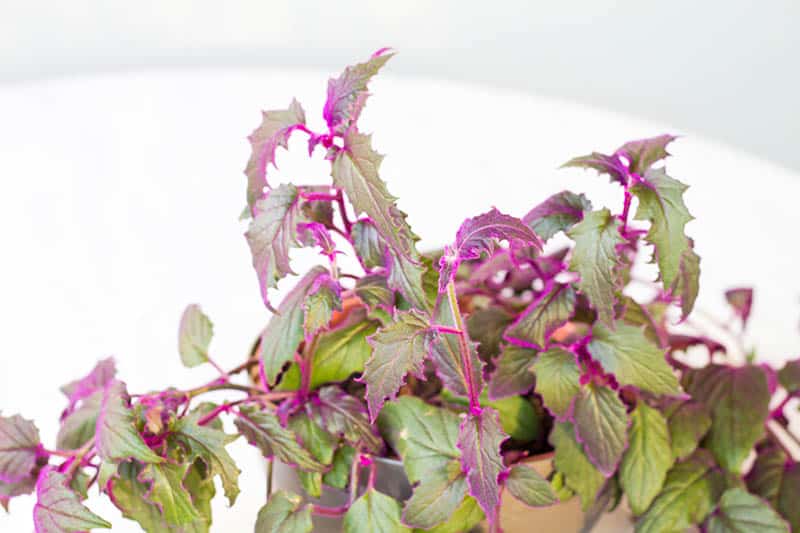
(348, 226)
(329, 511)
(466, 361)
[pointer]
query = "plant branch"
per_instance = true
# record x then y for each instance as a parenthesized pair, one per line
(466, 360)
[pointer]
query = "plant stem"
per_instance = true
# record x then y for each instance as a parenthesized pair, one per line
(348, 226)
(466, 360)
(354, 470)
(191, 393)
(78, 458)
(224, 375)
(329, 511)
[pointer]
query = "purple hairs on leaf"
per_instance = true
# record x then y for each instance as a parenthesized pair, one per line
(316, 234)
(643, 153)
(103, 372)
(479, 439)
(19, 443)
(741, 300)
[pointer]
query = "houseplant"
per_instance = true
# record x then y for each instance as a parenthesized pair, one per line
(487, 355)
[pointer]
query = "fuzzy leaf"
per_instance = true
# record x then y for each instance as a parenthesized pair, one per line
(648, 457)
(283, 514)
(643, 153)
(374, 512)
(315, 234)
(526, 485)
(601, 424)
(398, 349)
(324, 297)
(103, 372)
(479, 439)
(436, 498)
(603, 164)
(688, 423)
(790, 495)
(19, 440)
(263, 430)
(687, 283)
(742, 302)
(275, 129)
(518, 417)
(347, 94)
(283, 334)
(345, 416)
(557, 380)
(741, 512)
(513, 372)
(738, 399)
(558, 213)
(486, 326)
(532, 329)
(595, 259)
(339, 474)
(764, 478)
(407, 277)
(272, 232)
(374, 291)
(80, 425)
(58, 509)
(570, 459)
(341, 353)
(168, 493)
(194, 336)
(633, 359)
(321, 444)
(789, 376)
(465, 518)
(446, 355)
(117, 438)
(368, 244)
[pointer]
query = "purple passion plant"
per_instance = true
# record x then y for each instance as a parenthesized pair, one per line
(462, 363)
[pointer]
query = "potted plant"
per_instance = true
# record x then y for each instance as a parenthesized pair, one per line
(433, 391)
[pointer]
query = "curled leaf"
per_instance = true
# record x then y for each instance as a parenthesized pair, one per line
(117, 438)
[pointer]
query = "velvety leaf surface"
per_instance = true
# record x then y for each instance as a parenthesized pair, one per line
(283, 334)
(117, 439)
(446, 355)
(687, 283)
(479, 440)
(339, 474)
(398, 349)
(407, 277)
(739, 402)
(368, 244)
(603, 164)
(647, 459)
(558, 213)
(790, 495)
(465, 518)
(557, 380)
(517, 417)
(374, 292)
(581, 475)
(551, 310)
(103, 372)
(19, 440)
(529, 487)
(321, 444)
(688, 423)
(513, 372)
(766, 475)
(601, 424)
(486, 326)
(436, 498)
(194, 336)
(345, 416)
(374, 512)
(634, 360)
(741, 512)
(643, 153)
(168, 493)
(341, 352)
(789, 376)
(595, 259)
(80, 425)
(275, 129)
(58, 509)
(324, 297)
(283, 514)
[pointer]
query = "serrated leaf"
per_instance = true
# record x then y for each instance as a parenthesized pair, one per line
(595, 258)
(315, 234)
(374, 512)
(687, 283)
(58, 509)
(512, 373)
(345, 416)
(368, 244)
(407, 277)
(570, 459)
(789, 376)
(738, 399)
(283, 334)
(479, 439)
(557, 380)
(284, 512)
(601, 424)
(648, 457)
(80, 425)
(341, 353)
(398, 349)
(194, 336)
(533, 327)
(423, 435)
(117, 438)
(634, 359)
(643, 153)
(688, 423)
(168, 493)
(263, 430)
(102, 373)
(374, 291)
(324, 297)
(436, 498)
(526, 485)
(447, 357)
(486, 326)
(19, 441)
(347, 94)
(200, 486)
(271, 234)
(558, 213)
(465, 518)
(339, 474)
(741, 300)
(603, 164)
(741, 512)
(275, 129)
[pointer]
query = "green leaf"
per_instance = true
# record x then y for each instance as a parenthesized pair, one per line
(687, 283)
(446, 355)
(263, 430)
(690, 492)
(648, 457)
(790, 495)
(738, 399)
(643, 153)
(594, 257)
(373, 512)
(283, 334)
(688, 423)
(518, 418)
(532, 329)
(603, 164)
(465, 518)
(436, 498)
(339, 474)
(345, 416)
(341, 353)
(322, 300)
(526, 485)
(479, 439)
(485, 326)
(557, 380)
(117, 438)
(19, 441)
(194, 336)
(208, 444)
(168, 493)
(558, 213)
(374, 292)
(58, 509)
(200, 485)
(423, 435)
(741, 512)
(661, 203)
(582, 476)
(398, 349)
(601, 424)
(80, 425)
(407, 277)
(313, 437)
(283, 514)
(764, 478)
(513, 372)
(368, 244)
(633, 359)
(789, 376)
(274, 131)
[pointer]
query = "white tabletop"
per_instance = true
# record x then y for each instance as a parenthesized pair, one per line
(122, 193)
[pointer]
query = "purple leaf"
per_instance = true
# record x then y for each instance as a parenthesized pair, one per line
(532, 329)
(479, 234)
(512, 372)
(367, 242)
(103, 372)
(58, 508)
(742, 302)
(347, 94)
(275, 129)
(643, 153)
(116, 438)
(603, 164)
(344, 415)
(316, 234)
(447, 357)
(324, 297)
(19, 440)
(601, 424)
(479, 440)
(558, 213)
